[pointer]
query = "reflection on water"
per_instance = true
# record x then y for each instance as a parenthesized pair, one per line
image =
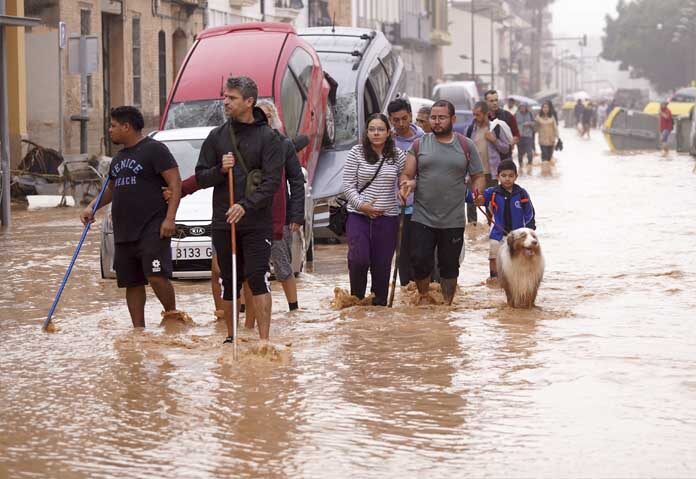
(597, 380)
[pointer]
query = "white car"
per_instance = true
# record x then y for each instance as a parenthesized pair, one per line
(192, 248)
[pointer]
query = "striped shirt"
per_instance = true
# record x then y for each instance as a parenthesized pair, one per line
(382, 192)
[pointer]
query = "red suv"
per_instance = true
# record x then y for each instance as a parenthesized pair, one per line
(284, 66)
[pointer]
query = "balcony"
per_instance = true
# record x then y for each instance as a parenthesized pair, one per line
(242, 3)
(288, 10)
(414, 29)
(440, 38)
(440, 35)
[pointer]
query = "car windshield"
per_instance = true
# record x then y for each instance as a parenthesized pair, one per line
(190, 114)
(185, 153)
(338, 61)
(684, 98)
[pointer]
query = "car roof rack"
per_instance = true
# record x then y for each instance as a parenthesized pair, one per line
(356, 53)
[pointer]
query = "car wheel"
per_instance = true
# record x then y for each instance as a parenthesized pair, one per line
(329, 127)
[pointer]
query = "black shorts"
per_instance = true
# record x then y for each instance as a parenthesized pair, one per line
(449, 243)
(253, 256)
(135, 261)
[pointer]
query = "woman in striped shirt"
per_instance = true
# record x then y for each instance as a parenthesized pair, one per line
(369, 184)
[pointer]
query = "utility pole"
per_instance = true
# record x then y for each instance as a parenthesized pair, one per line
(473, 50)
(492, 52)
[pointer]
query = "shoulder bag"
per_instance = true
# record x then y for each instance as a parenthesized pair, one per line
(253, 177)
(338, 215)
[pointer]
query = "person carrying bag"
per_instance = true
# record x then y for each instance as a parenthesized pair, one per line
(372, 209)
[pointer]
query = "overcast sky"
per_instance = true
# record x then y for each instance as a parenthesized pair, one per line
(577, 17)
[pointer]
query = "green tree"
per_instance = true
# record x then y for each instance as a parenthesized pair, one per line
(640, 37)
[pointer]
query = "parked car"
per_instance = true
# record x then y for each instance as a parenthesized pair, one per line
(692, 135)
(369, 74)
(192, 245)
(286, 69)
(461, 95)
(417, 103)
(684, 95)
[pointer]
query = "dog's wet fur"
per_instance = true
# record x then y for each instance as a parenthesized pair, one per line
(520, 266)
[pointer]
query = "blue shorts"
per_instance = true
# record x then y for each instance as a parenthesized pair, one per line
(664, 135)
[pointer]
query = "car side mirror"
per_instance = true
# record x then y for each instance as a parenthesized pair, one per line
(300, 142)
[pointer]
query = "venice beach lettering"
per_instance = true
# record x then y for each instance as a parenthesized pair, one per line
(127, 164)
(136, 173)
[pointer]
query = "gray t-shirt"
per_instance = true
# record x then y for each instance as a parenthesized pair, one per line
(440, 197)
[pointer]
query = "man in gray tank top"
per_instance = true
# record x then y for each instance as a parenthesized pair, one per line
(436, 169)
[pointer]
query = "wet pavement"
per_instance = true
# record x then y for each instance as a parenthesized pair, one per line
(598, 381)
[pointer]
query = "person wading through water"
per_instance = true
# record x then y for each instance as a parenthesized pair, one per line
(259, 154)
(288, 218)
(442, 160)
(405, 133)
(143, 221)
(370, 179)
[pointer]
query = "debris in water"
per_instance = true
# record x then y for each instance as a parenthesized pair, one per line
(343, 299)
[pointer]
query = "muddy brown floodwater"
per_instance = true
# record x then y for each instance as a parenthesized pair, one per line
(598, 381)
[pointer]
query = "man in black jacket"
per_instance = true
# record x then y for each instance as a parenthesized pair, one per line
(258, 148)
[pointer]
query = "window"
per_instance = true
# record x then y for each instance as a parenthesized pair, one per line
(390, 63)
(292, 101)
(85, 28)
(137, 98)
(302, 64)
(162, 60)
(380, 83)
(370, 100)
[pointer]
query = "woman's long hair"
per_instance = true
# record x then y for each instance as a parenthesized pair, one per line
(389, 151)
(552, 110)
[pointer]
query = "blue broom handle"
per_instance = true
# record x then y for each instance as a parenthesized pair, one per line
(47, 321)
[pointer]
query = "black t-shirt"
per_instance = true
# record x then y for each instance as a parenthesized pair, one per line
(137, 185)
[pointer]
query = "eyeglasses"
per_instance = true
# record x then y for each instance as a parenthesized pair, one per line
(374, 129)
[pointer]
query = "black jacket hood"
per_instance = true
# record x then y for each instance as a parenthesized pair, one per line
(259, 120)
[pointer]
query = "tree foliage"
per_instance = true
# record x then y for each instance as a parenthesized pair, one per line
(640, 37)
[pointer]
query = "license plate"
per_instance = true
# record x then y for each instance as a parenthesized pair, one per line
(192, 252)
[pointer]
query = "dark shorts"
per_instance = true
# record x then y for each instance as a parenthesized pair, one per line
(253, 256)
(135, 261)
(424, 240)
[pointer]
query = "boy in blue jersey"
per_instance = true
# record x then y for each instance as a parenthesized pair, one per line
(511, 208)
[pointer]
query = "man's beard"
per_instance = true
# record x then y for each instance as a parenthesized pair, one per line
(444, 132)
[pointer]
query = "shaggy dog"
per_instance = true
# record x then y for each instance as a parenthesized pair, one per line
(520, 267)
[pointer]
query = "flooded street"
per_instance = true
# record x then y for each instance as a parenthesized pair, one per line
(599, 380)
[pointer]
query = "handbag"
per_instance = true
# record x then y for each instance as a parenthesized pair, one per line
(559, 145)
(338, 214)
(253, 177)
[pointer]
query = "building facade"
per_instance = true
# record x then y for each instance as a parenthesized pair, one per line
(138, 48)
(418, 29)
(490, 44)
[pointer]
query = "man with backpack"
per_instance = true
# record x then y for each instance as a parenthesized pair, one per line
(442, 159)
(505, 119)
(491, 142)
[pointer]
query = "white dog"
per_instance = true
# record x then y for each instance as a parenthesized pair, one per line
(520, 267)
